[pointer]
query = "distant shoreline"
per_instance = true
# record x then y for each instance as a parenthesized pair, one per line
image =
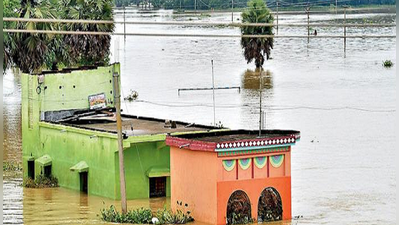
(295, 10)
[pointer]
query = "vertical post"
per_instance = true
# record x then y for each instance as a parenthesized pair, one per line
(117, 100)
(213, 90)
(307, 12)
(345, 31)
(232, 8)
(277, 17)
(180, 5)
(336, 6)
(260, 103)
(195, 6)
(124, 24)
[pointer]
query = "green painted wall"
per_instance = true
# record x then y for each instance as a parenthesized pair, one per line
(68, 145)
(139, 158)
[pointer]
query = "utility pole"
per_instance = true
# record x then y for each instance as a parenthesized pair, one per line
(336, 6)
(345, 30)
(124, 23)
(117, 100)
(307, 12)
(277, 17)
(260, 101)
(213, 90)
(232, 7)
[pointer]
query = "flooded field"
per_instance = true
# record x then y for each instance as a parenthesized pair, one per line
(342, 169)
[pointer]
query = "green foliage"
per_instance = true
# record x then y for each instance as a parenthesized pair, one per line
(33, 52)
(181, 216)
(387, 63)
(41, 182)
(11, 166)
(137, 216)
(256, 48)
(145, 216)
(241, 219)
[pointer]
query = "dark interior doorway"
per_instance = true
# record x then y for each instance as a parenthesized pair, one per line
(238, 208)
(47, 171)
(157, 187)
(31, 169)
(270, 207)
(83, 182)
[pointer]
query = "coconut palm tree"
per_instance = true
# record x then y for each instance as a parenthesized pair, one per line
(255, 49)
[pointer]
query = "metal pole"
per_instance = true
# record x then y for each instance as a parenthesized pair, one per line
(180, 5)
(195, 6)
(213, 90)
(277, 17)
(336, 6)
(124, 23)
(260, 102)
(345, 30)
(307, 11)
(232, 7)
(117, 100)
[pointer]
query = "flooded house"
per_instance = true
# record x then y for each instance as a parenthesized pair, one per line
(69, 132)
(231, 177)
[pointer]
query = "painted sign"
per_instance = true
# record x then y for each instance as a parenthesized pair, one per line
(97, 101)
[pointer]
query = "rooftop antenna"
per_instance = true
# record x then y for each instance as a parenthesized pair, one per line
(213, 90)
(260, 101)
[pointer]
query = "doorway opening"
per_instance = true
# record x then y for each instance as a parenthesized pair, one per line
(47, 171)
(238, 208)
(83, 182)
(31, 169)
(157, 187)
(270, 207)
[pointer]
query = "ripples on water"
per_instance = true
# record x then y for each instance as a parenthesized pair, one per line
(342, 169)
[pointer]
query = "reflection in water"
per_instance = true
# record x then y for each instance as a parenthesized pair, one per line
(251, 79)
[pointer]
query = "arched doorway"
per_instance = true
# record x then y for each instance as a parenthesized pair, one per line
(270, 207)
(238, 208)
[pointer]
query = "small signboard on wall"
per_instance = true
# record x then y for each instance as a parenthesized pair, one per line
(97, 101)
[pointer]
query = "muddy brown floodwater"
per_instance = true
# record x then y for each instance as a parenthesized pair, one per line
(342, 169)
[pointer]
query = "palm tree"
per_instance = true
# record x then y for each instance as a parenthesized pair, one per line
(28, 51)
(88, 49)
(256, 48)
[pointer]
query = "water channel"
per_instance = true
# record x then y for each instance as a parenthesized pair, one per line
(343, 167)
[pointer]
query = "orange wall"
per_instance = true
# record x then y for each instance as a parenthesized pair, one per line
(253, 188)
(193, 181)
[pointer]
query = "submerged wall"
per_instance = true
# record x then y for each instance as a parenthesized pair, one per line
(65, 145)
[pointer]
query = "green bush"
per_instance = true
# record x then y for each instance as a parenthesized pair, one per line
(137, 216)
(387, 63)
(166, 216)
(145, 216)
(41, 182)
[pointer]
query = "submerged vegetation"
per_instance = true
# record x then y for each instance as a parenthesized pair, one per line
(255, 49)
(12, 167)
(41, 182)
(387, 63)
(146, 216)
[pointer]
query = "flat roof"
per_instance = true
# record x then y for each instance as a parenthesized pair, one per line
(233, 140)
(237, 135)
(137, 125)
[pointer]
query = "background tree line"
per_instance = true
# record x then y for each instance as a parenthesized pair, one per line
(225, 4)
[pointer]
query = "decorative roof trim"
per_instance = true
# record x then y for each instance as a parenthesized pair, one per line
(256, 143)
